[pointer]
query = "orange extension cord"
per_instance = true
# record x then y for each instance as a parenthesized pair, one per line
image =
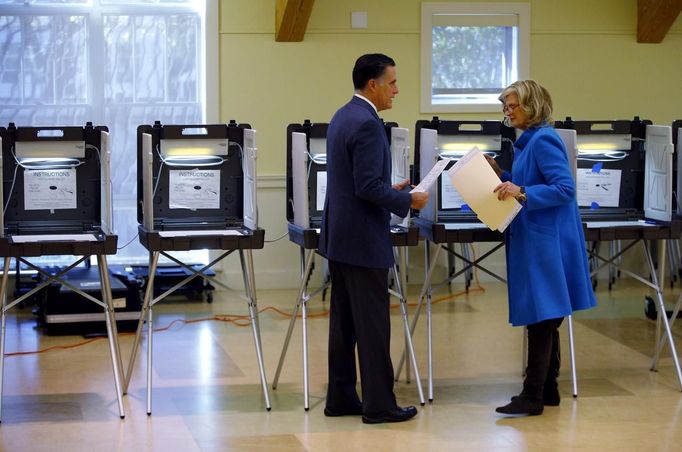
(242, 320)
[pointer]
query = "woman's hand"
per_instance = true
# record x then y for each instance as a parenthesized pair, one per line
(506, 190)
(493, 164)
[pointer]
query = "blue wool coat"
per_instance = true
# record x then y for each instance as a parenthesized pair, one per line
(548, 275)
(356, 221)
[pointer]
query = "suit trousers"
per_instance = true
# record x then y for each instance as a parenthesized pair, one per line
(543, 358)
(359, 314)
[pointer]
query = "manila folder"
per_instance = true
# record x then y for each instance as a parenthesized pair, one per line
(475, 181)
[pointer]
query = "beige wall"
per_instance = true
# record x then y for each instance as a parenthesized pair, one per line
(584, 52)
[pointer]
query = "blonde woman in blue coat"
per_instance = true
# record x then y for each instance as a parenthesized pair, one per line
(547, 272)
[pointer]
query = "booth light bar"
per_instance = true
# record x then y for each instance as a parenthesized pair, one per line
(193, 160)
(320, 159)
(50, 149)
(35, 163)
(193, 147)
(604, 143)
(455, 146)
(458, 150)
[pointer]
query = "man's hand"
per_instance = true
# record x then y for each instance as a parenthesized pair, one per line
(401, 185)
(419, 199)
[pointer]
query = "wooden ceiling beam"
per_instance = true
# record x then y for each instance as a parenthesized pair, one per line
(291, 19)
(654, 19)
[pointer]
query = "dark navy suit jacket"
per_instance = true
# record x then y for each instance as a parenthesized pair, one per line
(356, 218)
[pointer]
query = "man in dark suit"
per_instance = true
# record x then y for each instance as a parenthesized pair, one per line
(355, 238)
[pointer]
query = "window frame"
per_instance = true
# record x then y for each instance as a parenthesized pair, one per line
(429, 10)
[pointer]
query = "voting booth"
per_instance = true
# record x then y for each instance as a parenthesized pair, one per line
(197, 190)
(624, 191)
(624, 170)
(305, 194)
(56, 195)
(447, 218)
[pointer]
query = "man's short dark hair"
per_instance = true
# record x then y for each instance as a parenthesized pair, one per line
(368, 67)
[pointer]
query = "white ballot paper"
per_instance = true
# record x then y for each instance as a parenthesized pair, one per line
(430, 178)
(475, 180)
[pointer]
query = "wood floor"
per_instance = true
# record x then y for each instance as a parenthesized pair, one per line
(207, 394)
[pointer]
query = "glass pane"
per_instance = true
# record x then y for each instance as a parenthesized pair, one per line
(182, 57)
(150, 46)
(10, 60)
(147, 2)
(38, 35)
(142, 51)
(55, 2)
(471, 59)
(70, 60)
(44, 61)
(44, 2)
(118, 59)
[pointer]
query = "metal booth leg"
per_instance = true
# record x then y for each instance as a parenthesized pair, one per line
(250, 289)
(429, 319)
(661, 342)
(662, 317)
(3, 321)
(401, 283)
(301, 302)
(150, 331)
(429, 267)
(112, 333)
(571, 350)
(145, 314)
(524, 352)
(400, 274)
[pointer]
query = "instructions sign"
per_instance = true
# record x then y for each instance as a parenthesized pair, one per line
(50, 189)
(601, 187)
(194, 189)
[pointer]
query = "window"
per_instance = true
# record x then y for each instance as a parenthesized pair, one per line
(470, 52)
(119, 63)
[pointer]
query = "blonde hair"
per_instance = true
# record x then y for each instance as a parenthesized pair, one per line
(534, 100)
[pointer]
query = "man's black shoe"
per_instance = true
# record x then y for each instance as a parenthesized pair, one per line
(354, 411)
(522, 406)
(397, 414)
